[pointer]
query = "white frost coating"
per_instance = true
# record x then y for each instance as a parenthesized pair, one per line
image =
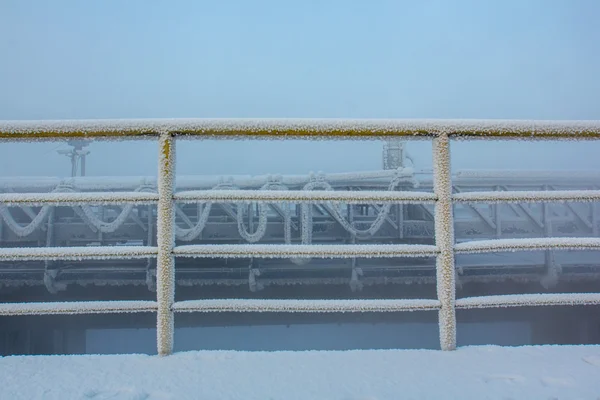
(77, 307)
(108, 227)
(317, 251)
(472, 372)
(266, 281)
(90, 218)
(36, 221)
(526, 300)
(301, 196)
(317, 306)
(195, 182)
(528, 196)
(76, 253)
(165, 231)
(20, 230)
(262, 217)
(365, 129)
(444, 240)
(306, 216)
(74, 198)
(188, 234)
(274, 191)
(65, 194)
(194, 231)
(260, 229)
(298, 128)
(382, 214)
(529, 244)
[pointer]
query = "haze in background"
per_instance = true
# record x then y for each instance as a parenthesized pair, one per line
(535, 59)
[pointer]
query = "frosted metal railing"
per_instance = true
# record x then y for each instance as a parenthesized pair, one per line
(440, 131)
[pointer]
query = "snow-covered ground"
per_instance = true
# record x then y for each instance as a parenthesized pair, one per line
(545, 372)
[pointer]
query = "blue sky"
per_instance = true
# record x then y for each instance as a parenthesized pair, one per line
(380, 59)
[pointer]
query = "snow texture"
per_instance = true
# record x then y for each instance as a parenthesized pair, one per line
(165, 231)
(528, 244)
(444, 240)
(528, 196)
(301, 196)
(526, 300)
(74, 198)
(292, 251)
(76, 253)
(73, 307)
(285, 128)
(486, 372)
(320, 306)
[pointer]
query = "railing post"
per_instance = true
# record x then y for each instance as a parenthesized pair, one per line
(165, 264)
(444, 239)
(595, 212)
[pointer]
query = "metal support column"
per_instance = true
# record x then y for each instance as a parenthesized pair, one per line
(165, 263)
(444, 240)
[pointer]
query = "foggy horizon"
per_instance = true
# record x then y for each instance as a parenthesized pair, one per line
(509, 60)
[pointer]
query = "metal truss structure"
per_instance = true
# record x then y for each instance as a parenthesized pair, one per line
(116, 225)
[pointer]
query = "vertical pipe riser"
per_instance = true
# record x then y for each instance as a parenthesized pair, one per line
(165, 269)
(444, 239)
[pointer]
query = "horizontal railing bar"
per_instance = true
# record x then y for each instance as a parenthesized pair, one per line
(463, 178)
(297, 196)
(76, 253)
(527, 196)
(302, 196)
(285, 251)
(316, 251)
(526, 300)
(294, 128)
(77, 307)
(78, 198)
(306, 306)
(527, 244)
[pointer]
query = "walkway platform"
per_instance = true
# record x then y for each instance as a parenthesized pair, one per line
(488, 372)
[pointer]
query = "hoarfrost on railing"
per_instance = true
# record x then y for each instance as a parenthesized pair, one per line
(528, 196)
(66, 195)
(324, 306)
(74, 307)
(315, 189)
(529, 244)
(290, 128)
(303, 196)
(77, 198)
(298, 250)
(76, 253)
(528, 300)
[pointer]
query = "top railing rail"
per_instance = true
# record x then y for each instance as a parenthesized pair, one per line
(290, 128)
